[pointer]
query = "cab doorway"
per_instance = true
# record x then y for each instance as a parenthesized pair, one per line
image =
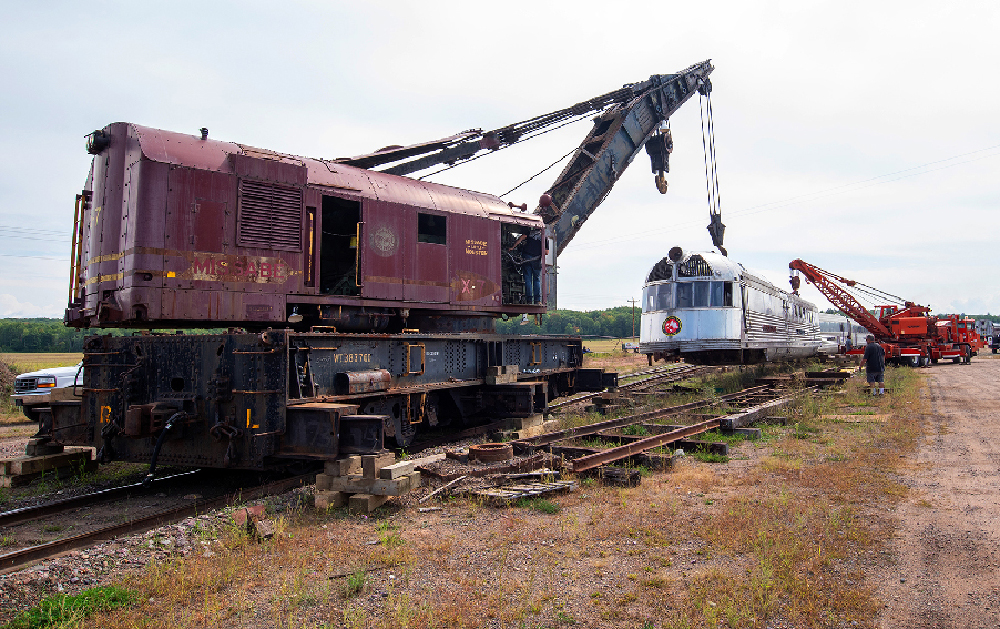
(338, 252)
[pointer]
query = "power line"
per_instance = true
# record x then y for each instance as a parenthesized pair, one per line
(815, 196)
(14, 255)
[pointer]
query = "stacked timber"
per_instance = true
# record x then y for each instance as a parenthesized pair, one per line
(54, 461)
(607, 402)
(363, 483)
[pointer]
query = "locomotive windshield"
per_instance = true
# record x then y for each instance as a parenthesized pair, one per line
(687, 295)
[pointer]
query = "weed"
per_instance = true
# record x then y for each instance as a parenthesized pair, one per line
(637, 430)
(539, 504)
(355, 583)
(62, 609)
(802, 430)
(7, 540)
(565, 618)
(717, 436)
(709, 457)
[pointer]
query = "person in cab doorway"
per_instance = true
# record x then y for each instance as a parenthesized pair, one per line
(531, 267)
(874, 362)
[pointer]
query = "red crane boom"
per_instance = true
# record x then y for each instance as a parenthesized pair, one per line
(826, 283)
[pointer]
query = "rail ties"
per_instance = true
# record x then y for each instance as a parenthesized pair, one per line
(656, 376)
(25, 514)
(752, 404)
(21, 557)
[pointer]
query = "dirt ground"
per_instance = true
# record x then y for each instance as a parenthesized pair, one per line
(947, 546)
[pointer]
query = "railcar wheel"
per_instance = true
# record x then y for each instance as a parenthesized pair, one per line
(914, 361)
(491, 452)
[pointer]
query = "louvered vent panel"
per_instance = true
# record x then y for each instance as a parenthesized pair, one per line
(270, 215)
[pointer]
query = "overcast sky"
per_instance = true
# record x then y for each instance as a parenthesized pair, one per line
(862, 137)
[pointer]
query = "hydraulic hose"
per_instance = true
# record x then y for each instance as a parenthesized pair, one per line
(159, 444)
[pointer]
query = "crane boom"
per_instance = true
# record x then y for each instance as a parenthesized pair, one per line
(616, 138)
(826, 283)
(628, 119)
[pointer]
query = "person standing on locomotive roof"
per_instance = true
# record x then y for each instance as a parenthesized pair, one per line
(874, 362)
(531, 267)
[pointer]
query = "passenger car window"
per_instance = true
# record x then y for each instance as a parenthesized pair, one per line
(649, 299)
(701, 294)
(685, 295)
(665, 297)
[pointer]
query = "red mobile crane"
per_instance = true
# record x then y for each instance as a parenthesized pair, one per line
(905, 331)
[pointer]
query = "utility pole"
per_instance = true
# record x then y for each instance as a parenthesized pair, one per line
(633, 317)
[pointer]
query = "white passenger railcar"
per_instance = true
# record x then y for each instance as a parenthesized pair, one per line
(707, 309)
(839, 332)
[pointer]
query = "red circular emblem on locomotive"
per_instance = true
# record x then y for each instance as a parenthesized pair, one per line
(671, 326)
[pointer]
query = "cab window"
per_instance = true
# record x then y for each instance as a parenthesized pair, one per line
(432, 228)
(685, 295)
(701, 294)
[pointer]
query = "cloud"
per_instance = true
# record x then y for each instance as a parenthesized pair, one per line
(12, 308)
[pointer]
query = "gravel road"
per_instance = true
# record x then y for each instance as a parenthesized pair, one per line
(948, 544)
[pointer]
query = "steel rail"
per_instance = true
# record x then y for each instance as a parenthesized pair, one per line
(597, 459)
(613, 454)
(16, 516)
(673, 373)
(569, 433)
(42, 551)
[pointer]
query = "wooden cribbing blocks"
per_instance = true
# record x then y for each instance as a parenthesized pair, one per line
(365, 503)
(372, 463)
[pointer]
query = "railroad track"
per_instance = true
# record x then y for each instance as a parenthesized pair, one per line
(25, 514)
(39, 552)
(749, 404)
(657, 376)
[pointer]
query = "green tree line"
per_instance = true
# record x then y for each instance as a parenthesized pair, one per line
(614, 322)
(38, 335)
(50, 335)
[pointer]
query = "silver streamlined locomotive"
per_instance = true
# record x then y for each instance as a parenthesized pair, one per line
(706, 308)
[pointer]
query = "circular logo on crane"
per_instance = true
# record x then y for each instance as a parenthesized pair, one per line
(671, 326)
(384, 241)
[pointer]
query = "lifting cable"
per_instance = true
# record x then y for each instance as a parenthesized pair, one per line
(715, 228)
(538, 173)
(524, 139)
(862, 292)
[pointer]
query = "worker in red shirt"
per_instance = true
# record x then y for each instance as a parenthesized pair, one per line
(874, 362)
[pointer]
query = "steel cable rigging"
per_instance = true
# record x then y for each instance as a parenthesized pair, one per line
(715, 226)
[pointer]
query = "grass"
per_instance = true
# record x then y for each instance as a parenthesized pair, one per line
(539, 504)
(785, 542)
(62, 610)
(708, 457)
(34, 362)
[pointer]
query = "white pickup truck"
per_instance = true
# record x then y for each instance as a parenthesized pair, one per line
(31, 389)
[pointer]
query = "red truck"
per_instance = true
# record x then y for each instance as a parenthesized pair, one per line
(906, 331)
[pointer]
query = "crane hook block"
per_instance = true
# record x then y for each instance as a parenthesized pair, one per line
(717, 231)
(659, 147)
(661, 183)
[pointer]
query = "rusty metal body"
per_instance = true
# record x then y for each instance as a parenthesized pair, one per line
(177, 230)
(173, 229)
(254, 400)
